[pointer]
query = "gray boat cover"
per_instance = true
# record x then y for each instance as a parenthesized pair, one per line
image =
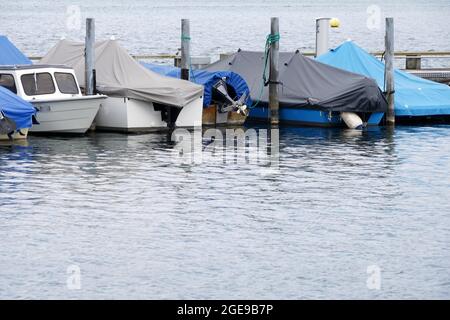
(119, 75)
(306, 83)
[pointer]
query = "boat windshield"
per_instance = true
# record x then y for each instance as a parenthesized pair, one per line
(66, 83)
(38, 84)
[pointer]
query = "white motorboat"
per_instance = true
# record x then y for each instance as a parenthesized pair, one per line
(55, 93)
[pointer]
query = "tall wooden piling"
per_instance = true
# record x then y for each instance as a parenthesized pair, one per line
(89, 56)
(389, 72)
(185, 48)
(274, 71)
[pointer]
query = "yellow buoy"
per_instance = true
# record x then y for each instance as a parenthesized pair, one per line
(335, 23)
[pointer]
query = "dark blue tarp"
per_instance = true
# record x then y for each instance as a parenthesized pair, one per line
(414, 96)
(16, 109)
(206, 79)
(10, 55)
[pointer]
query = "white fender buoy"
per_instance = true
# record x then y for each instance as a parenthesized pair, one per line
(352, 120)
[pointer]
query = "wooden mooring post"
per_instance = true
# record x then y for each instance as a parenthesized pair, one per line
(185, 48)
(89, 56)
(389, 72)
(274, 71)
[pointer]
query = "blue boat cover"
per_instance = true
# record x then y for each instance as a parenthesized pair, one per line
(206, 79)
(10, 55)
(414, 96)
(16, 109)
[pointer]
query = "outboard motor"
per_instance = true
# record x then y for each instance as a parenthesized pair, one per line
(7, 126)
(228, 103)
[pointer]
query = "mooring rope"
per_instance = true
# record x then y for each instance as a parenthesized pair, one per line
(185, 37)
(270, 39)
(191, 71)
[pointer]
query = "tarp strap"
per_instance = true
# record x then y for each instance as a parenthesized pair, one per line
(272, 82)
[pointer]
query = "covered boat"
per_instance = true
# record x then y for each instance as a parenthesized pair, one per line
(139, 99)
(310, 92)
(216, 103)
(10, 55)
(414, 97)
(15, 115)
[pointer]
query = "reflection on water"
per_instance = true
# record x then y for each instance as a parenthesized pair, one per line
(142, 224)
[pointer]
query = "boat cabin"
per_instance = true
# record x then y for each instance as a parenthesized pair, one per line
(40, 82)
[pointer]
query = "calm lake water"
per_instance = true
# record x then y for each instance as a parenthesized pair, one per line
(152, 27)
(140, 225)
(340, 211)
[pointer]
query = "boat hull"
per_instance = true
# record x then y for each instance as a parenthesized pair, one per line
(307, 117)
(22, 134)
(212, 117)
(191, 114)
(74, 115)
(130, 115)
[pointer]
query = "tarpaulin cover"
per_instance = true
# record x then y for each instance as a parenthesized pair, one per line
(206, 79)
(119, 75)
(414, 96)
(10, 55)
(16, 109)
(306, 83)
